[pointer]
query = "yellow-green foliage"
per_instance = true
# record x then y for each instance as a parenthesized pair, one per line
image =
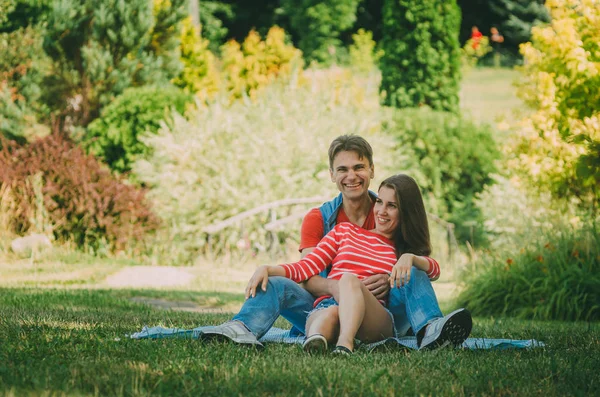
(200, 74)
(363, 56)
(470, 54)
(250, 67)
(230, 158)
(558, 146)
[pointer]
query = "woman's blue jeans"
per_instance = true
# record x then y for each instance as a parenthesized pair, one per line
(413, 305)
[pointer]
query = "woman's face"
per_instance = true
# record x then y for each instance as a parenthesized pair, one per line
(387, 212)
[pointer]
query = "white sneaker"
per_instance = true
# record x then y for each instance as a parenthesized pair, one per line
(452, 329)
(232, 330)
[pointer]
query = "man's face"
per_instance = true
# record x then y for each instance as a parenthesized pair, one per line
(351, 174)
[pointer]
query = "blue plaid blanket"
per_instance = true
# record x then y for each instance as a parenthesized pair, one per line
(278, 335)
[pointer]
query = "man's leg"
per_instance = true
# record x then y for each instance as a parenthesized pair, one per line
(416, 305)
(282, 297)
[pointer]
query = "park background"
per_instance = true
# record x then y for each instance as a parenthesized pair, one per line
(154, 152)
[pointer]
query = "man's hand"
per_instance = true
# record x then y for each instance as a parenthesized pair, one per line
(319, 286)
(378, 284)
(260, 277)
(401, 272)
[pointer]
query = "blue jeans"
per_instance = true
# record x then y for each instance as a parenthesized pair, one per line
(283, 297)
(413, 305)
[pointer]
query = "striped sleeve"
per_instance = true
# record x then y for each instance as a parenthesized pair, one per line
(316, 261)
(434, 269)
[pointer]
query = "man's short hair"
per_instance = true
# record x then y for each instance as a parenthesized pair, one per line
(350, 143)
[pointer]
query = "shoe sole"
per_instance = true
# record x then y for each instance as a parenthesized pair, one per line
(454, 332)
(315, 344)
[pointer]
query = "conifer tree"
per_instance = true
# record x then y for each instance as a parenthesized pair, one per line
(421, 60)
(317, 24)
(101, 47)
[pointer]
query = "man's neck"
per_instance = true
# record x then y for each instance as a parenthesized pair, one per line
(357, 211)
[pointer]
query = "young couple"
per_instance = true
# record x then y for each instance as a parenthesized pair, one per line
(371, 252)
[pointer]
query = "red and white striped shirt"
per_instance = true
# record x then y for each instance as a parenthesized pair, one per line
(350, 249)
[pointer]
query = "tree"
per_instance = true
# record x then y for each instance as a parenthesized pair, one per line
(557, 148)
(99, 48)
(317, 25)
(421, 60)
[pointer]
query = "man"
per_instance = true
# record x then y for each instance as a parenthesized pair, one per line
(413, 305)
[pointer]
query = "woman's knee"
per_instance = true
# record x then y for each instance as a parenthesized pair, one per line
(350, 280)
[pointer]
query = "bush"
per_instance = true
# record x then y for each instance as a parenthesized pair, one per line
(557, 147)
(100, 48)
(22, 66)
(455, 156)
(471, 54)
(249, 68)
(83, 202)
(200, 75)
(363, 55)
(114, 137)
(557, 278)
(421, 60)
(317, 25)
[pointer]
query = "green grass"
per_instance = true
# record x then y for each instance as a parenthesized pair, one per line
(72, 342)
(489, 95)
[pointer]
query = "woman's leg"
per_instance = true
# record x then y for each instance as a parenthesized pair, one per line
(325, 322)
(361, 315)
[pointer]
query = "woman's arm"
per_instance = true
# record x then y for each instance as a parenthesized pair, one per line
(401, 272)
(261, 277)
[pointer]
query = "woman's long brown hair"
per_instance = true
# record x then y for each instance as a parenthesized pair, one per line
(412, 235)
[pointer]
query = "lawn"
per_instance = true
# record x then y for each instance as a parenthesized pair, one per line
(489, 95)
(72, 342)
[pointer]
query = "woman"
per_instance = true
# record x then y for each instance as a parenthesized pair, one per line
(401, 231)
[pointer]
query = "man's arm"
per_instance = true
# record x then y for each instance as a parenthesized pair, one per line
(317, 285)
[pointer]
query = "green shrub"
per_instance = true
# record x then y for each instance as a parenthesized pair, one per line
(114, 137)
(363, 54)
(318, 24)
(250, 67)
(556, 148)
(200, 75)
(471, 54)
(557, 278)
(81, 201)
(456, 158)
(22, 66)
(100, 48)
(421, 60)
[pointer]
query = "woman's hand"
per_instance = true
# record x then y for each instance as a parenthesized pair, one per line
(260, 277)
(401, 272)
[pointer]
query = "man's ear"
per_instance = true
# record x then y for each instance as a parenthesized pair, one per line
(372, 171)
(331, 175)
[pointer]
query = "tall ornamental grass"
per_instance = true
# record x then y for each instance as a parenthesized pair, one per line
(228, 159)
(556, 278)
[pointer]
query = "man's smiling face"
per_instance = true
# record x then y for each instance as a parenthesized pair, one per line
(351, 174)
